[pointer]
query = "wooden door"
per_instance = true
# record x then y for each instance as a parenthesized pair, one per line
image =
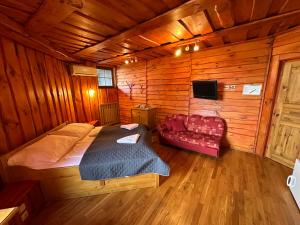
(284, 139)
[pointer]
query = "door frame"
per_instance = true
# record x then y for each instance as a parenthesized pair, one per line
(269, 99)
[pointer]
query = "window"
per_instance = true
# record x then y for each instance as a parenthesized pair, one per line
(105, 77)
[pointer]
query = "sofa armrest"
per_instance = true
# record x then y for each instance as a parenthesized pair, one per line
(162, 127)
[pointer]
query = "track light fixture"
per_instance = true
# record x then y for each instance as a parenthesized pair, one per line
(178, 52)
(196, 47)
(188, 48)
(131, 60)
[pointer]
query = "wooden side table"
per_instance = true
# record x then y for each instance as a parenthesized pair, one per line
(10, 216)
(26, 195)
(144, 116)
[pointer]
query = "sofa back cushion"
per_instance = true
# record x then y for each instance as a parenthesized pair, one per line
(213, 126)
(182, 117)
(168, 123)
(194, 123)
(207, 125)
(178, 125)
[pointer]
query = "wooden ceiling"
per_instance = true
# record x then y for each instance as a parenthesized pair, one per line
(110, 31)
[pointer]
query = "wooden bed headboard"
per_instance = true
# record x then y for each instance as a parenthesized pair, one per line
(4, 158)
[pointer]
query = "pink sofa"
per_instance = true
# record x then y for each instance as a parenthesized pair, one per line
(194, 132)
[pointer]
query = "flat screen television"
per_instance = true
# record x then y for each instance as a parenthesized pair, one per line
(207, 89)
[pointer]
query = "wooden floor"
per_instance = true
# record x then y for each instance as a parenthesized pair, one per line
(238, 188)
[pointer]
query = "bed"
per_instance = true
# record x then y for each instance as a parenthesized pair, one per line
(62, 179)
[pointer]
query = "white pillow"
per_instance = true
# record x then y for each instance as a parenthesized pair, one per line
(73, 130)
(49, 149)
(95, 131)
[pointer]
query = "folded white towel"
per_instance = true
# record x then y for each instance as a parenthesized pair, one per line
(130, 126)
(131, 139)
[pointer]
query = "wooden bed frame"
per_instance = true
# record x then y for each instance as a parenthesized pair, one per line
(65, 182)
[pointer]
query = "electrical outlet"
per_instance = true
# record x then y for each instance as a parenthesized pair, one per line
(230, 87)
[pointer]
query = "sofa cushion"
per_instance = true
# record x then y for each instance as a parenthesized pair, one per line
(207, 125)
(178, 125)
(168, 134)
(203, 140)
(193, 138)
(194, 123)
(182, 117)
(168, 123)
(212, 126)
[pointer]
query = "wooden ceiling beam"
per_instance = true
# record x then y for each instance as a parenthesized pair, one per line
(50, 13)
(262, 22)
(198, 23)
(137, 54)
(184, 10)
(265, 21)
(224, 14)
(33, 43)
(9, 23)
(16, 31)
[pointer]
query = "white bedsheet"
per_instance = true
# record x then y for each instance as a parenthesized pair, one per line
(73, 157)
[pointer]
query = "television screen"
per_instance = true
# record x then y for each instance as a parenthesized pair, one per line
(207, 89)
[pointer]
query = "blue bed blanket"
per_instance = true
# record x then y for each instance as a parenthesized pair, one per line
(106, 159)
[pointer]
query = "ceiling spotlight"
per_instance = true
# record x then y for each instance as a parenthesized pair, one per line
(131, 61)
(187, 48)
(126, 61)
(196, 48)
(135, 59)
(178, 52)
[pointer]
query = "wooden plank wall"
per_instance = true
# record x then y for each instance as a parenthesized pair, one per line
(86, 106)
(165, 85)
(133, 73)
(234, 65)
(169, 86)
(35, 94)
(168, 83)
(285, 47)
(288, 43)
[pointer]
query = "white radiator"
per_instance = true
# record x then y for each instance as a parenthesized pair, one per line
(293, 181)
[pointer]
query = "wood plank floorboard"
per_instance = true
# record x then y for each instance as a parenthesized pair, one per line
(237, 189)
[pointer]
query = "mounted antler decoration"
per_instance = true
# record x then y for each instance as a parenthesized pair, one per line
(130, 85)
(141, 87)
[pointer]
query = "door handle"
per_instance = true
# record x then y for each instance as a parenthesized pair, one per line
(291, 181)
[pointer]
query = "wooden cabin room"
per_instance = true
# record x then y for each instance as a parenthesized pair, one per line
(147, 112)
